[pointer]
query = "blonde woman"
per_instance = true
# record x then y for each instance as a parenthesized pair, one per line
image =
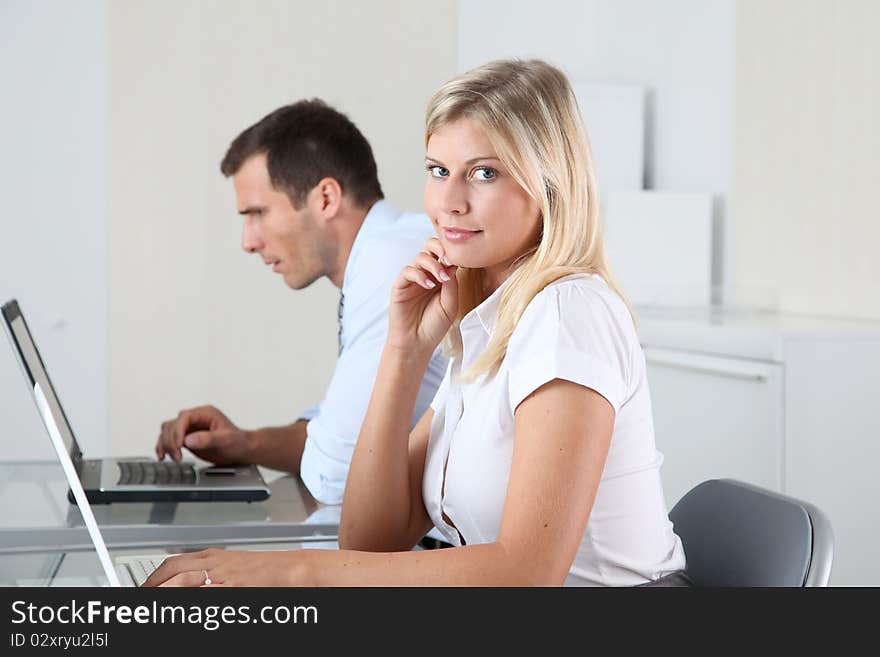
(536, 459)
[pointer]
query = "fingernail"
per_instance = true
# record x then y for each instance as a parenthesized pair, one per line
(429, 283)
(191, 441)
(443, 276)
(445, 261)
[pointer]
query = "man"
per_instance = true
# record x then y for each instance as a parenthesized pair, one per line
(306, 185)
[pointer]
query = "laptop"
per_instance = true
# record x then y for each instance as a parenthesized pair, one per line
(125, 571)
(128, 480)
(121, 571)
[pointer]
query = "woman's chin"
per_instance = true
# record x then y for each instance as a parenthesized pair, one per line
(461, 256)
(466, 263)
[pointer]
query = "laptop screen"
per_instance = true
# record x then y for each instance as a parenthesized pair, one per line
(75, 486)
(32, 365)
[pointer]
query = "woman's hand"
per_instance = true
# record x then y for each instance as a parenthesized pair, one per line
(231, 568)
(424, 301)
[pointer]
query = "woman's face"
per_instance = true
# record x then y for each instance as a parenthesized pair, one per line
(483, 218)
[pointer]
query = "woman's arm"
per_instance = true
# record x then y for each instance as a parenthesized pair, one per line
(563, 431)
(382, 509)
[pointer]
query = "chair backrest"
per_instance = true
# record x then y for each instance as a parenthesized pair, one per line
(737, 534)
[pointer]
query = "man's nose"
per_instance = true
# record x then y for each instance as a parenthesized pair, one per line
(250, 237)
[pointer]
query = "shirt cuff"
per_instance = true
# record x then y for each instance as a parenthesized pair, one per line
(323, 475)
(575, 366)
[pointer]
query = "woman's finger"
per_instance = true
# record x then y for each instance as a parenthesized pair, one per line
(430, 264)
(188, 578)
(173, 566)
(417, 276)
(435, 247)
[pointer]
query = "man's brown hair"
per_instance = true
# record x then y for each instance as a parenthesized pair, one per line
(305, 142)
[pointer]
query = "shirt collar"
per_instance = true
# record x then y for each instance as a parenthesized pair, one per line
(486, 313)
(379, 214)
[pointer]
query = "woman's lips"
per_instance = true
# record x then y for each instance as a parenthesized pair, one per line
(459, 234)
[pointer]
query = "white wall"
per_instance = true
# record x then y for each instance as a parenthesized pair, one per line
(806, 166)
(192, 319)
(120, 237)
(52, 230)
(681, 50)
(122, 240)
(770, 106)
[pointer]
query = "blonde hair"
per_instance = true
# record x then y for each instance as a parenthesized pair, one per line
(531, 116)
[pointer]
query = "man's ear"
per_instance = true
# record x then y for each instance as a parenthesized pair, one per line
(326, 198)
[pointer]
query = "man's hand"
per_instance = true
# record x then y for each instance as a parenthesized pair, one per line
(208, 434)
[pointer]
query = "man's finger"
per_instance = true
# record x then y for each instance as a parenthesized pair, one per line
(161, 451)
(194, 419)
(172, 446)
(201, 440)
(181, 427)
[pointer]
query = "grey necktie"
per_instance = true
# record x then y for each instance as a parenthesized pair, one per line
(339, 319)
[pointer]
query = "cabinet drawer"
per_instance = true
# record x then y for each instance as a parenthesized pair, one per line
(716, 417)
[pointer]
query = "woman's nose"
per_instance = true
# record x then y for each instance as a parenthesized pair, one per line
(455, 197)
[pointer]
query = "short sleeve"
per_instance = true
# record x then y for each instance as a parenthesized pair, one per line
(309, 413)
(574, 332)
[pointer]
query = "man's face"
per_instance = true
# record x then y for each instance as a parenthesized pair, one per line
(287, 239)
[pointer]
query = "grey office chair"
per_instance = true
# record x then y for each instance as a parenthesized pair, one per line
(737, 534)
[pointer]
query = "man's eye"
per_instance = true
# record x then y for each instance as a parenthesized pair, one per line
(438, 171)
(485, 173)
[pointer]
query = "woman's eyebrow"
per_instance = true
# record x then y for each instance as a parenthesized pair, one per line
(482, 157)
(428, 158)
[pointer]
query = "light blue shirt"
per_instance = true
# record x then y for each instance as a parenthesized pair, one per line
(386, 242)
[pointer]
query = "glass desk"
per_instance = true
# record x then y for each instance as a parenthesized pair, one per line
(82, 568)
(43, 539)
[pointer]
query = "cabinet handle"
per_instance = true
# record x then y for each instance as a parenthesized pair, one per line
(705, 364)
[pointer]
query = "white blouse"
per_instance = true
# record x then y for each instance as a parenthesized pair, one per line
(579, 330)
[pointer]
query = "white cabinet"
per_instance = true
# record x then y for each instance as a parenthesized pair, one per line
(788, 403)
(689, 393)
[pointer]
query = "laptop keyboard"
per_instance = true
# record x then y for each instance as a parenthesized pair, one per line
(138, 473)
(140, 569)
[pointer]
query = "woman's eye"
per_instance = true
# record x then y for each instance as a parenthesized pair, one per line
(485, 173)
(438, 171)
